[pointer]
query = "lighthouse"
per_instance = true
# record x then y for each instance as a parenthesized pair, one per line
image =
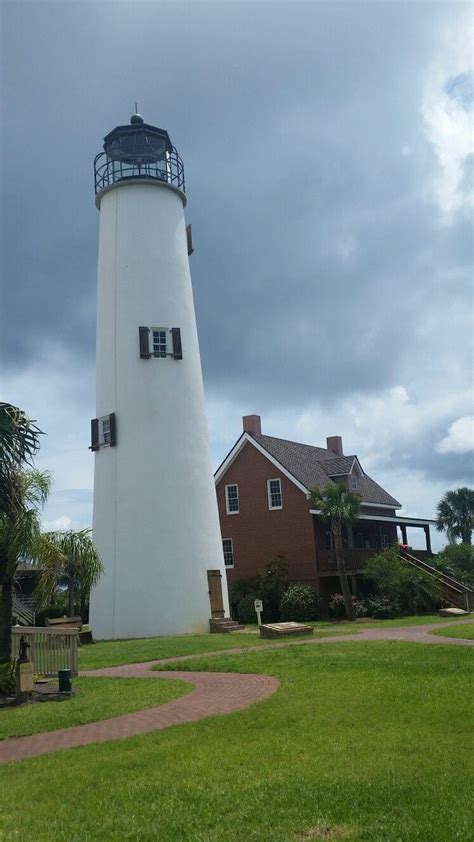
(155, 521)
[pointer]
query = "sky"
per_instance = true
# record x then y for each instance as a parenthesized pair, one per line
(328, 152)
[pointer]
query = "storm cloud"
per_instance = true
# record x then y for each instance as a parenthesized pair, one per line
(330, 209)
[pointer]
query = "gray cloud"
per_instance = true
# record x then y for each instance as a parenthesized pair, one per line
(321, 268)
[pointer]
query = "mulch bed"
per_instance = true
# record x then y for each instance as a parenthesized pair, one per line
(42, 693)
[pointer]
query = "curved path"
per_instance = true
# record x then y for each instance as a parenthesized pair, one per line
(213, 693)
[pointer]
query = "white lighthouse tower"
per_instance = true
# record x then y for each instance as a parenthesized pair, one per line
(156, 522)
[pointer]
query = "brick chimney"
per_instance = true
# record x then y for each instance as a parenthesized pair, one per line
(334, 444)
(252, 424)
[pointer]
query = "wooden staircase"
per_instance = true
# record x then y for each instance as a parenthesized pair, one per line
(451, 591)
(224, 625)
(23, 610)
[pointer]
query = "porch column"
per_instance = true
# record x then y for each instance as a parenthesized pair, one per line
(428, 538)
(404, 533)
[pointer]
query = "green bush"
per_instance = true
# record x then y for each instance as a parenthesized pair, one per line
(237, 591)
(271, 585)
(7, 679)
(457, 560)
(53, 612)
(246, 611)
(381, 608)
(400, 584)
(299, 603)
(337, 607)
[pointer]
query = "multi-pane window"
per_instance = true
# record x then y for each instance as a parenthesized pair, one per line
(105, 429)
(228, 552)
(354, 483)
(232, 499)
(159, 343)
(274, 494)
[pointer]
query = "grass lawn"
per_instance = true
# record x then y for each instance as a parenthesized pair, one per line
(370, 741)
(466, 631)
(96, 698)
(113, 653)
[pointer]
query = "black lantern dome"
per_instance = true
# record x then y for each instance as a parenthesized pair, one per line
(138, 151)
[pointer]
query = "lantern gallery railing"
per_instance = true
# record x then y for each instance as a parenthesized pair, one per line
(108, 170)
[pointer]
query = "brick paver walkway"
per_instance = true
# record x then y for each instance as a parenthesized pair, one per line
(213, 693)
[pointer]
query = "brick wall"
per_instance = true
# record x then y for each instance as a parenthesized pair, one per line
(258, 532)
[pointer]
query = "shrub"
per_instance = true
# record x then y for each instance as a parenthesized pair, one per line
(457, 560)
(400, 584)
(271, 585)
(52, 612)
(299, 603)
(237, 591)
(246, 611)
(381, 608)
(7, 679)
(337, 607)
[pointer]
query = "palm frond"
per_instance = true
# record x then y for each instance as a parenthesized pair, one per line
(19, 436)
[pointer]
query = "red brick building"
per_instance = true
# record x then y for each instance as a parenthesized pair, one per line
(262, 492)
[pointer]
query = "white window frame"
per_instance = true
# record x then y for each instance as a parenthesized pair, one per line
(228, 566)
(227, 500)
(269, 494)
(354, 483)
(166, 332)
(104, 437)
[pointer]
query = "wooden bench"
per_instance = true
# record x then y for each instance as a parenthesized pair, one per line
(64, 622)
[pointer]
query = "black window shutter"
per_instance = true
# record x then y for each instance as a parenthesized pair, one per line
(113, 430)
(189, 239)
(144, 343)
(177, 349)
(94, 434)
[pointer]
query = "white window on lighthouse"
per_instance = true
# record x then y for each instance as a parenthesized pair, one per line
(105, 430)
(160, 342)
(159, 338)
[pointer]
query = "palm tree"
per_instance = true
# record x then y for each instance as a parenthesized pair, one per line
(70, 558)
(19, 441)
(456, 515)
(19, 538)
(338, 507)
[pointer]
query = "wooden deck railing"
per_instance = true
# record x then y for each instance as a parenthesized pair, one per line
(50, 649)
(355, 560)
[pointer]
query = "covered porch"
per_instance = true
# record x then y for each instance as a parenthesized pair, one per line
(368, 535)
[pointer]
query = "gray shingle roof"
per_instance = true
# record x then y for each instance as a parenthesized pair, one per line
(339, 465)
(313, 466)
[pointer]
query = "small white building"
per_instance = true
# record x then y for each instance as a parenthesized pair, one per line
(156, 523)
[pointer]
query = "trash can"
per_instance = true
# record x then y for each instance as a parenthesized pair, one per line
(65, 684)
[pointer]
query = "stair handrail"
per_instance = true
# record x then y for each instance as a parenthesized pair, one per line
(449, 581)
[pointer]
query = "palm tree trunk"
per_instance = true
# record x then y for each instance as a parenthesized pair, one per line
(6, 611)
(337, 535)
(467, 535)
(71, 594)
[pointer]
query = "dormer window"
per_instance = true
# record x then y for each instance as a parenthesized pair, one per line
(354, 483)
